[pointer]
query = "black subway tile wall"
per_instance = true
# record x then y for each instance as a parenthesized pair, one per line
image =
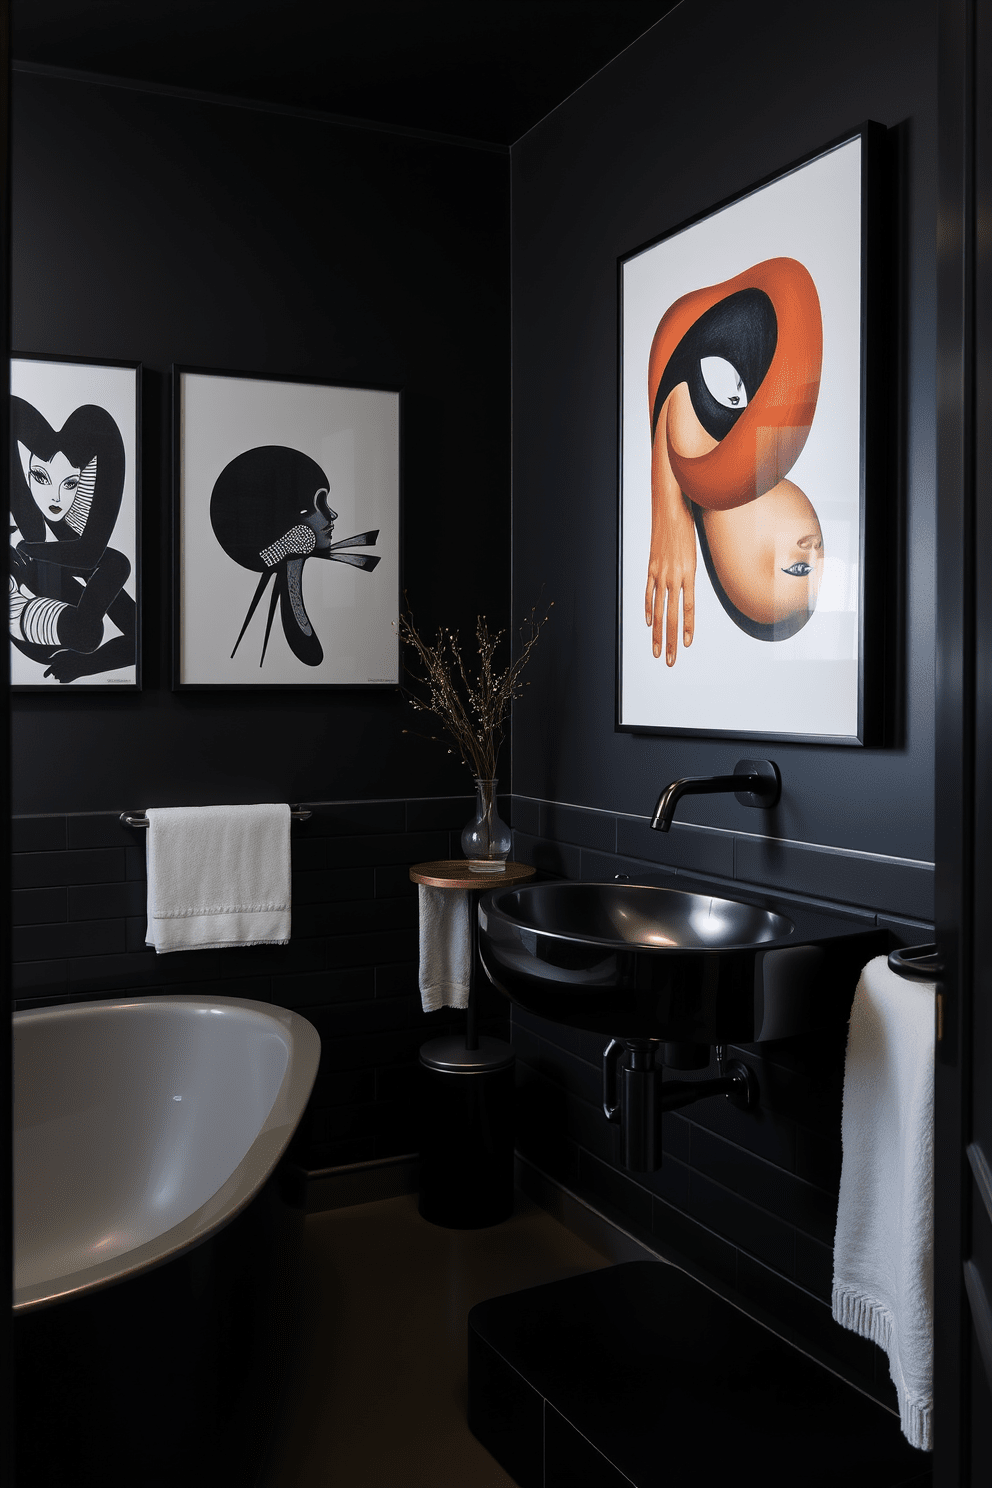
(350, 968)
(744, 1200)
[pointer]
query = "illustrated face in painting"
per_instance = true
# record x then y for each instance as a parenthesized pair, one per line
(65, 581)
(733, 380)
(270, 511)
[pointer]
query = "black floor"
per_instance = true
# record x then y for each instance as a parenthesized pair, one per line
(638, 1374)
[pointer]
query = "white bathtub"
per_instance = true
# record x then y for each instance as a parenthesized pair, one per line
(143, 1126)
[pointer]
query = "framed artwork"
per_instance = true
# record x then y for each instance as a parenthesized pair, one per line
(74, 525)
(749, 462)
(287, 532)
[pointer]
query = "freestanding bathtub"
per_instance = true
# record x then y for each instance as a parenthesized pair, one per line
(142, 1126)
(149, 1206)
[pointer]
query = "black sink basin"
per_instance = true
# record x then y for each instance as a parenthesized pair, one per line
(684, 965)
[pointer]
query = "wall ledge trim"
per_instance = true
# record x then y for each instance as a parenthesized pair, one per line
(843, 852)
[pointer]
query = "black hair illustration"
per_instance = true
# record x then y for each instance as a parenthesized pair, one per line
(270, 511)
(743, 330)
(62, 592)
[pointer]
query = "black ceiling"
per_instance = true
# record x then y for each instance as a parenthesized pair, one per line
(483, 72)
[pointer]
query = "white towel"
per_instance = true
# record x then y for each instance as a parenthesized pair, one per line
(218, 876)
(445, 948)
(883, 1249)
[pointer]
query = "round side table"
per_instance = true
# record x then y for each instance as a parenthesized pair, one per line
(466, 1086)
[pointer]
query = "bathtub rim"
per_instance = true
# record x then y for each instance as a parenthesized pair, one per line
(238, 1189)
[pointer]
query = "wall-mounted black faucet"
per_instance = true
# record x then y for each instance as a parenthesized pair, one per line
(754, 783)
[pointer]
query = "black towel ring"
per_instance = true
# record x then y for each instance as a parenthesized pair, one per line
(917, 963)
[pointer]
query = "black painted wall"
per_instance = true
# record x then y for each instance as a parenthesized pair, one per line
(161, 230)
(715, 97)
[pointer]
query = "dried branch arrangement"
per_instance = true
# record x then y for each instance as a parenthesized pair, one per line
(473, 703)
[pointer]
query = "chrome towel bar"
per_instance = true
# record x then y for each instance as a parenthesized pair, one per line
(298, 813)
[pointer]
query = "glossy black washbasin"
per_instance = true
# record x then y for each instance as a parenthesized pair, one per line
(684, 965)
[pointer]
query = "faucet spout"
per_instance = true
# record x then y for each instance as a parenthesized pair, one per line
(754, 783)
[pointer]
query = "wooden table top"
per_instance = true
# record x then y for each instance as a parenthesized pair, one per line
(454, 873)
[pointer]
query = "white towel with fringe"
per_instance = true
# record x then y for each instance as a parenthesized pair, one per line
(883, 1248)
(218, 876)
(445, 947)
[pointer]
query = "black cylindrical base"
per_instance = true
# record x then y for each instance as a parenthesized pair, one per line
(466, 1133)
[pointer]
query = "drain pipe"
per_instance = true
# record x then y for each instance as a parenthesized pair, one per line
(635, 1097)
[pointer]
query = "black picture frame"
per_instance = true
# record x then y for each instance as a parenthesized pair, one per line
(688, 293)
(69, 611)
(246, 445)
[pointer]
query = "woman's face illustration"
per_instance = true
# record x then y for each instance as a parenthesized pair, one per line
(53, 485)
(768, 554)
(322, 520)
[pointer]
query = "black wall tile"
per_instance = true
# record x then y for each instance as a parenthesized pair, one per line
(559, 860)
(356, 818)
(39, 869)
(811, 1327)
(681, 846)
(399, 977)
(107, 901)
(527, 816)
(762, 1130)
(402, 847)
(93, 938)
(552, 1062)
(585, 828)
(600, 867)
(818, 1158)
(615, 1190)
(369, 950)
(332, 885)
(30, 834)
(702, 1251)
(814, 1266)
(753, 1229)
(443, 813)
(347, 1088)
(317, 988)
(102, 829)
(670, 1182)
(38, 906)
(398, 1082)
(899, 887)
(136, 935)
(309, 854)
(789, 1198)
(39, 979)
(586, 1125)
(340, 1154)
(392, 881)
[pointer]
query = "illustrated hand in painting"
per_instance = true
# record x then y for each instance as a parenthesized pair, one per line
(733, 380)
(65, 581)
(270, 511)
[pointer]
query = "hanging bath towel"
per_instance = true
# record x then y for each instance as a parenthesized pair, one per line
(218, 876)
(883, 1249)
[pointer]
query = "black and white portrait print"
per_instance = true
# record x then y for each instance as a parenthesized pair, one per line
(73, 613)
(288, 494)
(270, 511)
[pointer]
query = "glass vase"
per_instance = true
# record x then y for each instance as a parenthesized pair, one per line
(486, 839)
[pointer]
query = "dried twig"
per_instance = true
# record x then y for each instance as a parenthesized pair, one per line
(473, 706)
